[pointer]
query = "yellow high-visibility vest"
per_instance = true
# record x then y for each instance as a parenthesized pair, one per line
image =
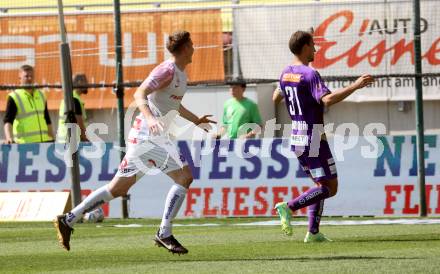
(29, 125)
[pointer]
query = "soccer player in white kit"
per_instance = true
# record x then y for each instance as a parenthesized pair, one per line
(149, 147)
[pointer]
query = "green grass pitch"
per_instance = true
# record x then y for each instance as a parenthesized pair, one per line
(226, 248)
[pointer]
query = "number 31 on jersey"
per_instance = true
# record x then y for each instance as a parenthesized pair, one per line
(292, 95)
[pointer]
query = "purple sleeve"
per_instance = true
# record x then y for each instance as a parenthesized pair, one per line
(318, 87)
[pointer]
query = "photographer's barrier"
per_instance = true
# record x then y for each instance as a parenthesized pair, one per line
(244, 178)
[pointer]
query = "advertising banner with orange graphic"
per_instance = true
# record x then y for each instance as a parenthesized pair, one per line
(35, 40)
(374, 37)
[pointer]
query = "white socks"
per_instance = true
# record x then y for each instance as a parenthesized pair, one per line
(174, 201)
(94, 200)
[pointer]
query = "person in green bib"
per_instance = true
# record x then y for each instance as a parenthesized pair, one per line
(26, 118)
(80, 112)
(239, 113)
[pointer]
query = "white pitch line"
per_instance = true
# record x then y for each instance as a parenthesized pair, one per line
(335, 223)
(354, 222)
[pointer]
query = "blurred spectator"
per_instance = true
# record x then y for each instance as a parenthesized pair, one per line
(80, 112)
(239, 111)
(27, 118)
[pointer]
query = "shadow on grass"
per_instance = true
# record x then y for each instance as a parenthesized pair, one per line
(88, 262)
(432, 238)
(326, 258)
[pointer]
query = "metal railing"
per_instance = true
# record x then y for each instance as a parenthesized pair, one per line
(79, 7)
(153, 4)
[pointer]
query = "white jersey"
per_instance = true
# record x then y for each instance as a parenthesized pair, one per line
(164, 98)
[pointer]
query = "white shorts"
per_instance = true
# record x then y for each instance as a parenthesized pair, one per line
(151, 157)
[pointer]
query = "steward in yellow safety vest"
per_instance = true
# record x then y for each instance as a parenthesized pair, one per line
(80, 113)
(27, 118)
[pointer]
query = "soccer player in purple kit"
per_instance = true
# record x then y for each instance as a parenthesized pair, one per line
(306, 96)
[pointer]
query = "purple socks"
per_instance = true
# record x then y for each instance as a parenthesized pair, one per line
(315, 212)
(314, 198)
(309, 197)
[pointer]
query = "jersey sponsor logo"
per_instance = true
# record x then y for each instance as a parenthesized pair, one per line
(132, 140)
(126, 170)
(292, 77)
(317, 173)
(152, 163)
(299, 125)
(175, 97)
(299, 140)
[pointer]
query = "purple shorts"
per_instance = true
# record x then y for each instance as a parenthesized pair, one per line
(319, 166)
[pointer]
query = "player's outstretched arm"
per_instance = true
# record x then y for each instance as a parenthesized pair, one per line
(203, 121)
(340, 94)
(188, 115)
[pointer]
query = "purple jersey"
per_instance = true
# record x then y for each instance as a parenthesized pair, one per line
(303, 89)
